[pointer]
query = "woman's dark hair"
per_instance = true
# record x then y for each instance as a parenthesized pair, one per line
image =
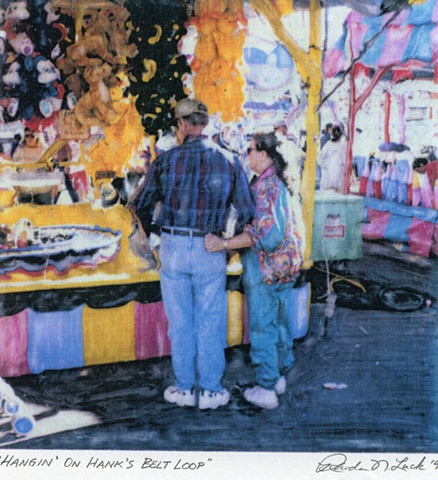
(268, 142)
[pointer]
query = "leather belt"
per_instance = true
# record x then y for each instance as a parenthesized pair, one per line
(184, 233)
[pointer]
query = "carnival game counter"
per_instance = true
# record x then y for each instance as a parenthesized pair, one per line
(88, 314)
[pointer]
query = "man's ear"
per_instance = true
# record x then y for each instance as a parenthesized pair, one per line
(182, 125)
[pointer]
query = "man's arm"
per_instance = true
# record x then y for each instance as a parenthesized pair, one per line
(142, 206)
(242, 198)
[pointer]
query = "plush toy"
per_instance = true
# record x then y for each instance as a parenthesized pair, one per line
(50, 91)
(8, 109)
(23, 233)
(123, 140)
(91, 50)
(111, 24)
(15, 13)
(16, 86)
(95, 107)
(37, 89)
(47, 34)
(74, 89)
(47, 73)
(118, 35)
(12, 78)
(3, 52)
(75, 84)
(22, 44)
(105, 39)
(221, 36)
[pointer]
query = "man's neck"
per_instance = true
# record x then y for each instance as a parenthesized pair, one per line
(193, 131)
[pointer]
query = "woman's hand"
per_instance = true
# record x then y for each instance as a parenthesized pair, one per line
(213, 243)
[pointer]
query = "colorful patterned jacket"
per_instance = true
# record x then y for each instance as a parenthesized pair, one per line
(274, 232)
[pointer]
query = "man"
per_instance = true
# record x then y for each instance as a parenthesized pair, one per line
(198, 184)
(326, 135)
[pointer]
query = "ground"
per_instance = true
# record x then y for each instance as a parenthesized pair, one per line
(383, 363)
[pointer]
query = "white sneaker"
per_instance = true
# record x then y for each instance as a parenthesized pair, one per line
(213, 400)
(280, 386)
(182, 398)
(261, 397)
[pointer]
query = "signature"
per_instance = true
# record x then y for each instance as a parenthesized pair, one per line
(339, 462)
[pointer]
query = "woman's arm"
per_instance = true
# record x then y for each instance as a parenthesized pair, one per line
(217, 244)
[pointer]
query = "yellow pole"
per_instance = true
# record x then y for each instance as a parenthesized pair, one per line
(312, 126)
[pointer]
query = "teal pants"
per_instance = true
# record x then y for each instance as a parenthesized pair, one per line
(270, 330)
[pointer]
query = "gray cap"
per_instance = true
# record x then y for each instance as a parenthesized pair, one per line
(186, 106)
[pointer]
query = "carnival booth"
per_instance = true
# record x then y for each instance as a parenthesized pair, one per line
(392, 113)
(87, 93)
(86, 97)
(75, 138)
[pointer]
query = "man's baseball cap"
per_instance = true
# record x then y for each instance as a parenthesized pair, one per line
(186, 106)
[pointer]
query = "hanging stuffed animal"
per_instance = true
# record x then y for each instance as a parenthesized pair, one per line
(15, 13)
(23, 46)
(111, 25)
(17, 86)
(218, 82)
(50, 91)
(90, 51)
(95, 107)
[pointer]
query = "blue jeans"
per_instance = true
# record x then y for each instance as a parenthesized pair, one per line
(270, 330)
(193, 288)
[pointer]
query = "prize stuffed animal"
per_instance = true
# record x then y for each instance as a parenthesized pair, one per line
(50, 91)
(15, 13)
(16, 86)
(23, 46)
(90, 51)
(95, 107)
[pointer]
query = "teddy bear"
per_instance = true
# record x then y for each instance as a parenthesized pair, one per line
(95, 108)
(118, 35)
(109, 27)
(91, 50)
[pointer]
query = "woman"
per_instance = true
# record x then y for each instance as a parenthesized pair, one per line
(271, 266)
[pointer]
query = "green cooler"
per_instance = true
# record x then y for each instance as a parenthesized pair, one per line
(337, 226)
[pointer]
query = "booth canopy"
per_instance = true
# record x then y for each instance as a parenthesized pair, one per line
(412, 36)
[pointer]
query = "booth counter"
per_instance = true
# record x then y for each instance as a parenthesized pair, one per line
(86, 314)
